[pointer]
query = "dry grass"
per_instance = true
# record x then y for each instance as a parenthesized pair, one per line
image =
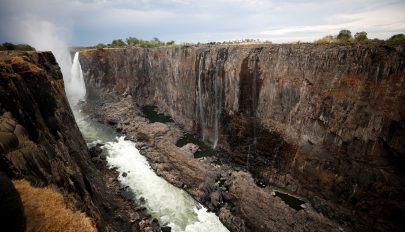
(326, 40)
(46, 211)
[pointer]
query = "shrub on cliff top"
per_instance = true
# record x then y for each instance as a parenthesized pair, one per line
(101, 46)
(398, 38)
(344, 35)
(360, 36)
(155, 42)
(118, 43)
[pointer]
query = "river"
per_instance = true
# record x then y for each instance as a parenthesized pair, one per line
(170, 205)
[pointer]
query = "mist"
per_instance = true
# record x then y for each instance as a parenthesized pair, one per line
(47, 36)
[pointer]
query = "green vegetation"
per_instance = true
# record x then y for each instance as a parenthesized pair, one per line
(360, 36)
(152, 115)
(101, 46)
(398, 38)
(345, 36)
(118, 43)
(203, 151)
(19, 47)
(132, 42)
(156, 42)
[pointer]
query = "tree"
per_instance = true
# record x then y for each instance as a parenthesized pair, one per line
(397, 38)
(344, 35)
(101, 46)
(360, 36)
(9, 46)
(19, 47)
(133, 41)
(118, 43)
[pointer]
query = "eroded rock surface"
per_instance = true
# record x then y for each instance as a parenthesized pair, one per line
(323, 121)
(40, 141)
(234, 196)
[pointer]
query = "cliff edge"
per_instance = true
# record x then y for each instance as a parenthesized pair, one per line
(322, 121)
(40, 141)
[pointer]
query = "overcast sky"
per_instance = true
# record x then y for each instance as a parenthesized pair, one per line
(88, 22)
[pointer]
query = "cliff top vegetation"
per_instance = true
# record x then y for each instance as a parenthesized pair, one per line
(343, 37)
(19, 47)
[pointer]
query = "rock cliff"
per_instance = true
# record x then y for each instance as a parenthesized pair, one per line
(40, 141)
(323, 121)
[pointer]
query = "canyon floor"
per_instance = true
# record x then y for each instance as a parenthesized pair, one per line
(242, 202)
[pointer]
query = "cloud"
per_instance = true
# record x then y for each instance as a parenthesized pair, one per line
(93, 21)
(378, 20)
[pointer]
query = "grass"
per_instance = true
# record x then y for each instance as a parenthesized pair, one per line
(46, 211)
(327, 39)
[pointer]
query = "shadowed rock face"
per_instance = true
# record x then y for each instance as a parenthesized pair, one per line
(40, 141)
(320, 120)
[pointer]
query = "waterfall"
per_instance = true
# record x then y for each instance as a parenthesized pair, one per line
(254, 100)
(75, 87)
(218, 95)
(200, 95)
(252, 76)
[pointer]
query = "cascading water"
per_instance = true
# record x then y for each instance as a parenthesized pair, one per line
(218, 94)
(171, 205)
(253, 63)
(200, 95)
(254, 100)
(75, 87)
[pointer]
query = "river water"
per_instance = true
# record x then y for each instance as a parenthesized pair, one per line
(171, 205)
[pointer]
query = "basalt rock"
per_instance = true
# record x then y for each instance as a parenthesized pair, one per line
(320, 120)
(40, 141)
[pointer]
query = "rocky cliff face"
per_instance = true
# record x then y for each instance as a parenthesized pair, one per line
(40, 141)
(320, 120)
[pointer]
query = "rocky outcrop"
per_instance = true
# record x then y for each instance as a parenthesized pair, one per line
(323, 121)
(40, 141)
(224, 188)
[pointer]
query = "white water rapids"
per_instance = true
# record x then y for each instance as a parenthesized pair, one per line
(171, 205)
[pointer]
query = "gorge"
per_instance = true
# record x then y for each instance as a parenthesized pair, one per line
(321, 121)
(299, 137)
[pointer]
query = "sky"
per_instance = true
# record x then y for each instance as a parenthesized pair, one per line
(88, 22)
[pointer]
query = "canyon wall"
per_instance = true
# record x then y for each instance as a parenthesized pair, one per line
(40, 141)
(324, 121)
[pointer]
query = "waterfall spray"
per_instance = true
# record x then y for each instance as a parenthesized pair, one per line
(75, 88)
